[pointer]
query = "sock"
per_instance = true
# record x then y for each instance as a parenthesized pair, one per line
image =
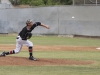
(10, 52)
(30, 51)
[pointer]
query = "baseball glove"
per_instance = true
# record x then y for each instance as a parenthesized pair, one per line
(29, 35)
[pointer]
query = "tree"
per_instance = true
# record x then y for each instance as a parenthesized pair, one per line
(15, 2)
(36, 2)
(42, 2)
(49, 2)
(45, 1)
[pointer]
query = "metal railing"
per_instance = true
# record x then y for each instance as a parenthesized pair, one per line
(86, 2)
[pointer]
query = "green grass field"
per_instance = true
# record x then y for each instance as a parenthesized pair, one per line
(53, 40)
(93, 69)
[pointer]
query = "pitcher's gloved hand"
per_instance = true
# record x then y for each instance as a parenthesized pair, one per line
(29, 35)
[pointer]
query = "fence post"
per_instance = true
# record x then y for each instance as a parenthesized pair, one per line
(96, 2)
(58, 19)
(84, 2)
(73, 2)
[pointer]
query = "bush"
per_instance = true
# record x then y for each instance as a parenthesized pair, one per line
(36, 3)
(69, 2)
(43, 2)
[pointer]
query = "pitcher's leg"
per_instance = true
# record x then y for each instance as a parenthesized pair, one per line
(17, 50)
(29, 44)
(10, 52)
(30, 51)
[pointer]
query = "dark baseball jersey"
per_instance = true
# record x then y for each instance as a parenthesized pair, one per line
(24, 31)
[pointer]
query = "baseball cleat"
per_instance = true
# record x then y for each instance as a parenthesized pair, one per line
(32, 58)
(2, 54)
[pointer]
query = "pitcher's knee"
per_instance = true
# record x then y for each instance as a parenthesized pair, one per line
(31, 44)
(30, 47)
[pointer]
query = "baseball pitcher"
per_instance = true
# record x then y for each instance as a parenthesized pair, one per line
(22, 39)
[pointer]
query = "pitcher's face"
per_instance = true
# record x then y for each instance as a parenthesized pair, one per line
(30, 24)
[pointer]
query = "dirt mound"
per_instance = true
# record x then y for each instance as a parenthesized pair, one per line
(23, 61)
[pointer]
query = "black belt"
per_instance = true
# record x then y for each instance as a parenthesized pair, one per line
(17, 38)
(22, 39)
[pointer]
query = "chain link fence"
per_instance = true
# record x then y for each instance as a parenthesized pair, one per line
(86, 2)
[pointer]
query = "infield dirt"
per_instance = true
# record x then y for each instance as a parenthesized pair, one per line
(23, 61)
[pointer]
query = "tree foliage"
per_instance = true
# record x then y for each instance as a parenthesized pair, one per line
(42, 2)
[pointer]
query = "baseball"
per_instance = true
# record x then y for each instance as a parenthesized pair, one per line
(73, 17)
(98, 48)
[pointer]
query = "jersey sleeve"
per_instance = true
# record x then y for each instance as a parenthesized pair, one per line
(36, 24)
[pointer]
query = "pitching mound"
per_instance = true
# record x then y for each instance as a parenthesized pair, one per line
(22, 61)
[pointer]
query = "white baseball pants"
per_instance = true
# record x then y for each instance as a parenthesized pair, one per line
(20, 43)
